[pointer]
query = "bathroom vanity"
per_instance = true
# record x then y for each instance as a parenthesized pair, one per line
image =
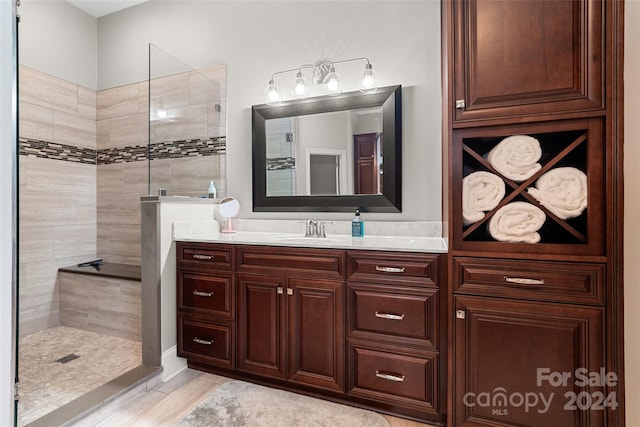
(353, 325)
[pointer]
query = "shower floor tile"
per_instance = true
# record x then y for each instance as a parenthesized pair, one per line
(46, 384)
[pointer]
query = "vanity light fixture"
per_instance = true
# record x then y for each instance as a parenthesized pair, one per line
(324, 74)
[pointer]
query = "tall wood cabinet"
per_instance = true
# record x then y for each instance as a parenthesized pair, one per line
(530, 320)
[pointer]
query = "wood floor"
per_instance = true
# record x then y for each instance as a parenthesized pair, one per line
(167, 403)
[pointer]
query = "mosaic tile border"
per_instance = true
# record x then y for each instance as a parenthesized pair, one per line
(56, 151)
(134, 153)
(280, 163)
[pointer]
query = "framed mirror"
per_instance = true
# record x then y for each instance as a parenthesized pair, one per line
(329, 153)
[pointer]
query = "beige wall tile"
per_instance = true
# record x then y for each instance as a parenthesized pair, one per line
(36, 244)
(77, 240)
(102, 314)
(87, 99)
(117, 208)
(161, 175)
(56, 176)
(135, 176)
(36, 122)
(202, 89)
(117, 102)
(181, 123)
(103, 134)
(169, 92)
(192, 174)
(74, 309)
(72, 129)
(110, 177)
(39, 278)
(47, 91)
(38, 313)
(128, 130)
(143, 90)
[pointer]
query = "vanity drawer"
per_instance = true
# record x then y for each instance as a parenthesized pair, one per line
(392, 376)
(207, 294)
(205, 255)
(205, 342)
(292, 262)
(365, 266)
(399, 314)
(541, 280)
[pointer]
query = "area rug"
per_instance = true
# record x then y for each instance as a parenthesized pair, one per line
(242, 404)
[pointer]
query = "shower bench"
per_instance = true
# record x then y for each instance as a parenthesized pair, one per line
(105, 300)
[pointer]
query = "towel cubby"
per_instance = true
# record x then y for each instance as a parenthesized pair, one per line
(576, 144)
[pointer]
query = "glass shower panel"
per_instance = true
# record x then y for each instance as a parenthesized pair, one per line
(187, 126)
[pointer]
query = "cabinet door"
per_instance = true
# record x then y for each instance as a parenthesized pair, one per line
(511, 357)
(316, 333)
(528, 57)
(261, 325)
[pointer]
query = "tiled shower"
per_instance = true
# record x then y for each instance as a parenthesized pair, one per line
(84, 164)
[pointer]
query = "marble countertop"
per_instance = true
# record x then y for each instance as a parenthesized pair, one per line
(337, 241)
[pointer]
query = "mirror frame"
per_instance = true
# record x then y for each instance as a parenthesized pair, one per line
(389, 98)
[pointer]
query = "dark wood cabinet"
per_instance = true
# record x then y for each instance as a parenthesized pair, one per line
(547, 74)
(292, 329)
(363, 327)
(518, 363)
(262, 326)
(394, 331)
(518, 59)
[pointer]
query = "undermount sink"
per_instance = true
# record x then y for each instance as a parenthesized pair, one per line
(311, 240)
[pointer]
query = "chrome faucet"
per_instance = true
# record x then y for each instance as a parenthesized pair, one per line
(315, 229)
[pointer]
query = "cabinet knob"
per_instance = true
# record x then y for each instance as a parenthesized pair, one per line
(279, 290)
(204, 257)
(460, 104)
(461, 314)
(289, 291)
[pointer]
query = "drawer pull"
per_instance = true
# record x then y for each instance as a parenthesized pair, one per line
(389, 316)
(523, 281)
(389, 376)
(390, 269)
(200, 256)
(203, 294)
(201, 341)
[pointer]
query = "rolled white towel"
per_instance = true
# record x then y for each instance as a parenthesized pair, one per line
(481, 192)
(563, 191)
(517, 222)
(516, 157)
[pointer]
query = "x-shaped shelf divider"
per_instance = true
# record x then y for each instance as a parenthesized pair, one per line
(521, 188)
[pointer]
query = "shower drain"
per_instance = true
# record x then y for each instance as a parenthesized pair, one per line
(68, 358)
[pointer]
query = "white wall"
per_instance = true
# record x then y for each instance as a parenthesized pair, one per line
(7, 139)
(59, 39)
(401, 38)
(632, 212)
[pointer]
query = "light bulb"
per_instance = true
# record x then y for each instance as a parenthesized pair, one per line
(331, 82)
(368, 83)
(300, 88)
(271, 95)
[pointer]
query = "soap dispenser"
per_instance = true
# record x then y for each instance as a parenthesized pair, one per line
(357, 225)
(212, 190)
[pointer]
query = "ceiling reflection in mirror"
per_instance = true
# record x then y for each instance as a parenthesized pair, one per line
(327, 154)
